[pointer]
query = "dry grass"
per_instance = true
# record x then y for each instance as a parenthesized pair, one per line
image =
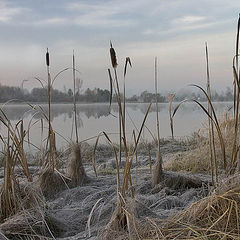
(194, 160)
(31, 225)
(25, 225)
(8, 192)
(188, 161)
(214, 217)
(22, 208)
(129, 227)
(28, 217)
(226, 131)
(13, 154)
(51, 182)
(76, 170)
(157, 175)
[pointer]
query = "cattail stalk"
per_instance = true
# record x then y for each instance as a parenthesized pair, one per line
(122, 126)
(114, 65)
(50, 155)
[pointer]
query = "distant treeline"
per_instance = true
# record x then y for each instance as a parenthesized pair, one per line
(146, 96)
(224, 96)
(99, 95)
(40, 95)
(95, 95)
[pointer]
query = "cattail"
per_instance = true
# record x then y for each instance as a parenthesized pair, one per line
(113, 56)
(47, 58)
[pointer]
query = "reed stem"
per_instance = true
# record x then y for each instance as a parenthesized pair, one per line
(74, 98)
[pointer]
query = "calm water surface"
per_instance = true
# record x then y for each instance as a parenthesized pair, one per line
(95, 118)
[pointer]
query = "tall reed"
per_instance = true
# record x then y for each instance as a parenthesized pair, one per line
(14, 154)
(50, 147)
(8, 197)
(15, 140)
(230, 167)
(51, 144)
(212, 147)
(157, 171)
(51, 180)
(74, 98)
(120, 219)
(236, 76)
(118, 95)
(76, 170)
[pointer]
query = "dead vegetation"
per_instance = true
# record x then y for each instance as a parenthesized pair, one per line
(157, 175)
(76, 171)
(213, 217)
(120, 218)
(194, 160)
(23, 211)
(28, 220)
(51, 182)
(25, 214)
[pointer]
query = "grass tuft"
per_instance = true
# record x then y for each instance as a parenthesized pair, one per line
(76, 171)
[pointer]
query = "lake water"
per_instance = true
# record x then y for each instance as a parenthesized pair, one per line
(95, 118)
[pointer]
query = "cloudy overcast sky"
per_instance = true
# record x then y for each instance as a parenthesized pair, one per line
(173, 30)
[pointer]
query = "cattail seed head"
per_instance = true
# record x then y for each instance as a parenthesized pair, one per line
(47, 58)
(113, 56)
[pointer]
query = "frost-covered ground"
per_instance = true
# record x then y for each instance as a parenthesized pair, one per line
(85, 211)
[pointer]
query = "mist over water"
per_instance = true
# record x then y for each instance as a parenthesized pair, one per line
(95, 118)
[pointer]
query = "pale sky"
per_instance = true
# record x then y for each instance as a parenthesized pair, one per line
(175, 31)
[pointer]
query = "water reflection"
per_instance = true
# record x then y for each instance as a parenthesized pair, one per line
(17, 112)
(94, 118)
